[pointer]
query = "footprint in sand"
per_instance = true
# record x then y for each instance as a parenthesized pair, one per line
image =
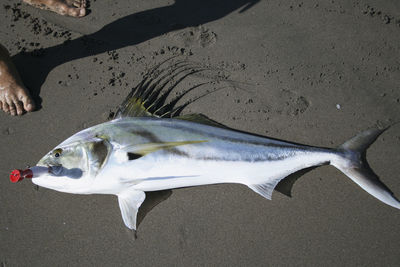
(197, 35)
(8, 131)
(294, 105)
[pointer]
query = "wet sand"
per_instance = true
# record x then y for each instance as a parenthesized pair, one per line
(313, 73)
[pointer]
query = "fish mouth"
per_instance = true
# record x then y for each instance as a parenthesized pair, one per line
(56, 170)
(52, 169)
(60, 171)
(58, 178)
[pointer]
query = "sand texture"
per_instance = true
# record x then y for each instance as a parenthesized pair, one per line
(312, 72)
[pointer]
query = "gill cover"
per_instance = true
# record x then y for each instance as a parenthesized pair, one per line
(74, 164)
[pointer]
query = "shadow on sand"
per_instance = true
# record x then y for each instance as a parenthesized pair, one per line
(127, 31)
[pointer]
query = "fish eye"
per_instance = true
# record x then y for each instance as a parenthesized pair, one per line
(57, 152)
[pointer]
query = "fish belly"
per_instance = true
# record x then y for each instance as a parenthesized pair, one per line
(153, 174)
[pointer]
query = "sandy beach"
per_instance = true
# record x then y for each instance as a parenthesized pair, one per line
(312, 72)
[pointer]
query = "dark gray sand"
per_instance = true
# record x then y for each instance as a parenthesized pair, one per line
(318, 72)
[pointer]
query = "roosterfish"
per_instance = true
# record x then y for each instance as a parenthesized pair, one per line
(144, 148)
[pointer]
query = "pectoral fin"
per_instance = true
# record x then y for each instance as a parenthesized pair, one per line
(129, 203)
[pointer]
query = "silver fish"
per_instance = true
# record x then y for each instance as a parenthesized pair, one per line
(141, 151)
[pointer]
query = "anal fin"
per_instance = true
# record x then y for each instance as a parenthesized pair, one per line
(129, 202)
(265, 189)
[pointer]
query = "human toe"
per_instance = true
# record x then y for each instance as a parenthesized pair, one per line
(12, 109)
(19, 107)
(79, 3)
(76, 12)
(27, 102)
(74, 9)
(5, 107)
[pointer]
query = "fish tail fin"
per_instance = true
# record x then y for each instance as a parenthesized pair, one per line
(352, 162)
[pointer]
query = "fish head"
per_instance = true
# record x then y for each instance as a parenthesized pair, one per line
(73, 165)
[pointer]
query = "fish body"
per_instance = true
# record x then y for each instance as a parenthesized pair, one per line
(129, 156)
(150, 147)
(203, 155)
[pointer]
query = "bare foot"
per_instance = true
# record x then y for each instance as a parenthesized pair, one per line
(74, 8)
(14, 97)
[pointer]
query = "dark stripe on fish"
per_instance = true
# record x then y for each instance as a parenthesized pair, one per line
(133, 156)
(154, 139)
(273, 151)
